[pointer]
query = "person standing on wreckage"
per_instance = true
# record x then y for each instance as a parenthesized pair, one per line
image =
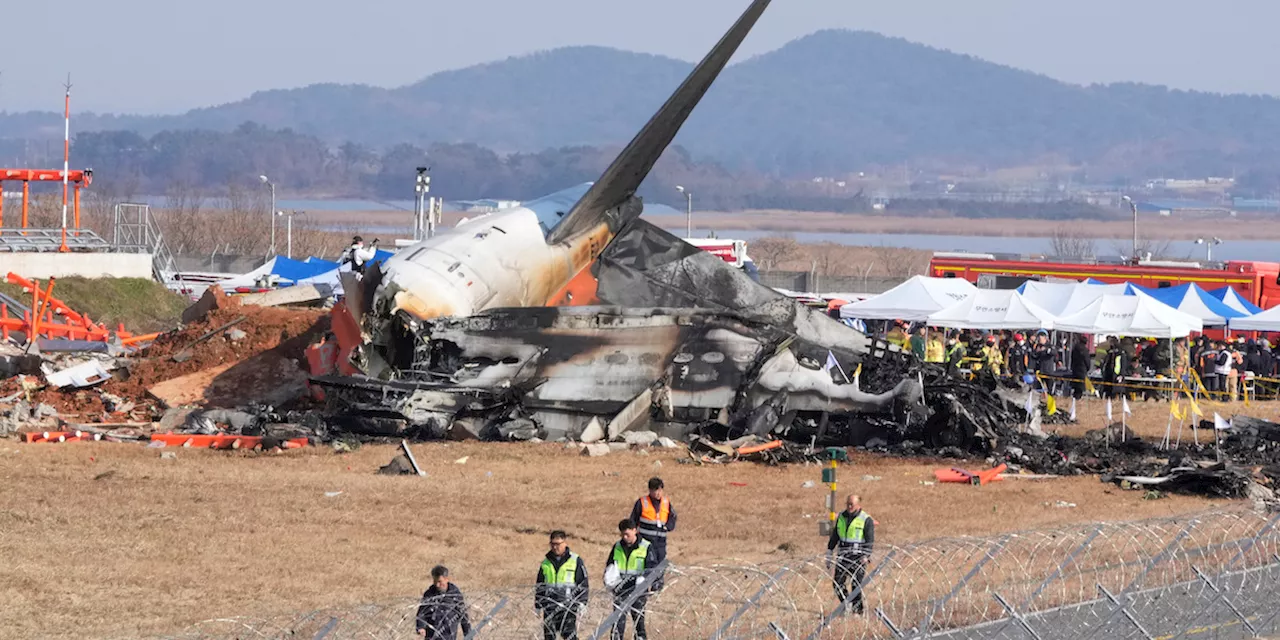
(849, 551)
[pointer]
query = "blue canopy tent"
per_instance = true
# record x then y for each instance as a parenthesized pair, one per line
(1233, 299)
(295, 270)
(1190, 298)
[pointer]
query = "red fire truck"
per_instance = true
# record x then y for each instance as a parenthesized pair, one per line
(732, 251)
(1257, 282)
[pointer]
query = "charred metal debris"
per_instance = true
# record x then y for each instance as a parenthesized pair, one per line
(684, 345)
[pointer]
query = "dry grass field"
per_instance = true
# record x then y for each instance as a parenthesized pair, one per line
(111, 540)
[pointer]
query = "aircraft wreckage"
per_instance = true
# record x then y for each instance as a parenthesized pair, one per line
(542, 319)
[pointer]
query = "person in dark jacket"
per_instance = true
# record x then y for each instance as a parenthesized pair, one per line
(1197, 348)
(1018, 357)
(443, 609)
(1115, 368)
(849, 550)
(561, 590)
(1080, 361)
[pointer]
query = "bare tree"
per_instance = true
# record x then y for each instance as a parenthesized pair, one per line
(900, 262)
(1071, 243)
(773, 251)
(828, 258)
(1151, 249)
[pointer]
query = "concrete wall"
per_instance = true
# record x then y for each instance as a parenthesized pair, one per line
(805, 281)
(89, 265)
(218, 263)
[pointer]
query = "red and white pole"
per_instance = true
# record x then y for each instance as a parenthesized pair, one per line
(66, 150)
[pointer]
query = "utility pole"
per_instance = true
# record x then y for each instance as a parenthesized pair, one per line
(424, 223)
(272, 213)
(1134, 207)
(688, 214)
(66, 154)
(289, 230)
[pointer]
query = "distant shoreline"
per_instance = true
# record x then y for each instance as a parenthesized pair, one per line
(1244, 227)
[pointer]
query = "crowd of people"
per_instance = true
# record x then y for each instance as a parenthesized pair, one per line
(1061, 365)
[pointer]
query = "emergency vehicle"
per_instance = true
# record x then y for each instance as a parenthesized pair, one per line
(732, 251)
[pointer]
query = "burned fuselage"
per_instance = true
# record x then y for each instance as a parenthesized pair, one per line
(562, 367)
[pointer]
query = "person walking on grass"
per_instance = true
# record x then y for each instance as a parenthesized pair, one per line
(561, 591)
(443, 609)
(627, 571)
(848, 552)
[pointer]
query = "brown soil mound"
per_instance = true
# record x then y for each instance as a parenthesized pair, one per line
(282, 332)
(270, 357)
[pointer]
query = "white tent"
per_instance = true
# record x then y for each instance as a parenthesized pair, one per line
(912, 300)
(1268, 320)
(993, 309)
(1133, 316)
(1065, 298)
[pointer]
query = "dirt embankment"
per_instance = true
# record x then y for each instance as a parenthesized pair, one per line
(271, 334)
(226, 369)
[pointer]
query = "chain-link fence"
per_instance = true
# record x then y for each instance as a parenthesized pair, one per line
(1214, 575)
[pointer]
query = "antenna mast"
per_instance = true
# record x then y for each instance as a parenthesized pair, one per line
(66, 152)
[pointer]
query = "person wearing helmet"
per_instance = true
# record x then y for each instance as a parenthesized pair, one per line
(1019, 356)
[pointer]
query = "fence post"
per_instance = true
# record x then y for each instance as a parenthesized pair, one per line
(1015, 616)
(1220, 595)
(1071, 557)
(475, 631)
(844, 604)
(626, 604)
(1136, 581)
(922, 630)
(748, 604)
(326, 629)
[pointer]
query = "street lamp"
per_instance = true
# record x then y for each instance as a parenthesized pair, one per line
(1208, 246)
(289, 230)
(1133, 206)
(688, 212)
(272, 212)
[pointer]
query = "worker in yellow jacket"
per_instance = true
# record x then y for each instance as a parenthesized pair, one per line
(897, 335)
(934, 350)
(992, 357)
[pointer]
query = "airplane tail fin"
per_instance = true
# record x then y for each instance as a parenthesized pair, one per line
(620, 181)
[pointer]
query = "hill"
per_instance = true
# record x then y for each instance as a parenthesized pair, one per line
(831, 102)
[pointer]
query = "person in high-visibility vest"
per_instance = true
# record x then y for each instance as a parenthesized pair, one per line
(934, 350)
(849, 550)
(955, 354)
(656, 518)
(627, 570)
(897, 335)
(561, 590)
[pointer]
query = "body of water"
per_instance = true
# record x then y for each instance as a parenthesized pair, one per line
(1263, 250)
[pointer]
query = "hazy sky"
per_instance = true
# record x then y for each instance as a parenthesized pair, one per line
(163, 56)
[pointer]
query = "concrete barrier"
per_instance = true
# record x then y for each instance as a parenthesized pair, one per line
(89, 265)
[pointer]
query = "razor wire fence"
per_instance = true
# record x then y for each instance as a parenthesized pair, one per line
(1214, 575)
